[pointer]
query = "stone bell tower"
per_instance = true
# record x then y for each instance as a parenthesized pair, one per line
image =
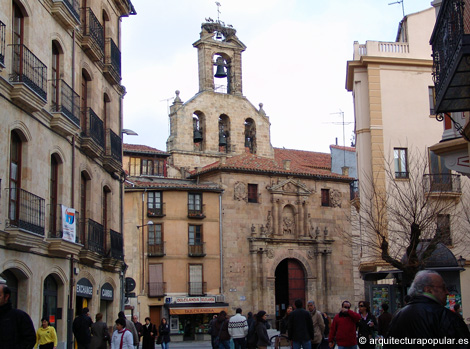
(218, 121)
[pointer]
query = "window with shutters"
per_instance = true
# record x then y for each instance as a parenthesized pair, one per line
(196, 284)
(325, 197)
(195, 206)
(253, 193)
(155, 241)
(156, 287)
(154, 204)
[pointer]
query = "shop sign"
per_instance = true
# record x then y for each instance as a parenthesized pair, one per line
(84, 288)
(107, 292)
(183, 311)
(194, 299)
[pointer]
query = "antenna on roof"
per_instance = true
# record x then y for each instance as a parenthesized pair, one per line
(218, 11)
(402, 5)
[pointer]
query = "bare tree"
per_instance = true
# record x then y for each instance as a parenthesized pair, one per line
(398, 218)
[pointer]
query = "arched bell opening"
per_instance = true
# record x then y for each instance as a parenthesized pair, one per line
(250, 136)
(224, 133)
(222, 71)
(198, 131)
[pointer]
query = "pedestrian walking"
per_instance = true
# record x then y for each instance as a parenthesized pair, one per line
(122, 337)
(130, 327)
(318, 324)
(149, 332)
(81, 329)
(164, 334)
(343, 328)
(426, 317)
(300, 327)
(138, 327)
(99, 333)
(221, 329)
(212, 331)
(384, 320)
(261, 330)
(238, 329)
(366, 327)
(46, 337)
(285, 320)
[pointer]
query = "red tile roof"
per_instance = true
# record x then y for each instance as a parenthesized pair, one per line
(139, 148)
(170, 184)
(352, 149)
(301, 163)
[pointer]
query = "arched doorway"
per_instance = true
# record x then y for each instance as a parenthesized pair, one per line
(12, 283)
(50, 300)
(290, 285)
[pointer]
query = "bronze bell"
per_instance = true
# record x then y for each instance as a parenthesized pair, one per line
(222, 140)
(220, 72)
(197, 136)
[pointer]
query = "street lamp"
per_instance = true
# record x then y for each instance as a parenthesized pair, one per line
(142, 283)
(461, 261)
(129, 132)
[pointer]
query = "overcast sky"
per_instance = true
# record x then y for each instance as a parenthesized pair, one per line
(295, 61)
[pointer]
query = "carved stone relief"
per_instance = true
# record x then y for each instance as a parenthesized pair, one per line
(288, 220)
(336, 197)
(239, 191)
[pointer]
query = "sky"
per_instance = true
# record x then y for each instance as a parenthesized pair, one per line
(295, 62)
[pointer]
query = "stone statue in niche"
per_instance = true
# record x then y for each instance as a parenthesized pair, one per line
(335, 197)
(239, 191)
(311, 229)
(288, 226)
(269, 224)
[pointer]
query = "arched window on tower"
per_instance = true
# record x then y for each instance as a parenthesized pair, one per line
(250, 136)
(224, 134)
(198, 132)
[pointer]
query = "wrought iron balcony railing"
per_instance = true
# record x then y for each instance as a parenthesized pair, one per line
(26, 211)
(92, 236)
(117, 247)
(2, 43)
(401, 175)
(113, 145)
(156, 249)
(93, 28)
(156, 211)
(66, 101)
(442, 183)
(28, 69)
(452, 24)
(157, 289)
(197, 249)
(93, 126)
(196, 212)
(197, 288)
(112, 60)
(73, 6)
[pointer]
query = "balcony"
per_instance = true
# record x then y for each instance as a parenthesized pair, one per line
(401, 175)
(65, 108)
(450, 42)
(59, 245)
(25, 225)
(157, 289)
(115, 255)
(112, 159)
(196, 212)
(29, 79)
(156, 211)
(125, 7)
(197, 288)
(112, 62)
(93, 35)
(2, 44)
(442, 184)
(156, 249)
(92, 133)
(92, 237)
(197, 250)
(66, 12)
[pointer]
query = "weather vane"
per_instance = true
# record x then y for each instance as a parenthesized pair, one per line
(402, 6)
(218, 10)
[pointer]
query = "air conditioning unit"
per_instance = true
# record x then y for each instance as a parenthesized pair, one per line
(220, 298)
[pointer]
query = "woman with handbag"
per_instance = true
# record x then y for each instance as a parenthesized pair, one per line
(99, 333)
(149, 332)
(164, 334)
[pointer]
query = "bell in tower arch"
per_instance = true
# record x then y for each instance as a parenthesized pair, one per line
(220, 72)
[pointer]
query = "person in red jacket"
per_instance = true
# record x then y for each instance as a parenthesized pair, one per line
(343, 328)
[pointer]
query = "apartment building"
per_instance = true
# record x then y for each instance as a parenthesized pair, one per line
(60, 150)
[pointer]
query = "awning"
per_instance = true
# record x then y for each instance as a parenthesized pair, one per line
(380, 275)
(196, 310)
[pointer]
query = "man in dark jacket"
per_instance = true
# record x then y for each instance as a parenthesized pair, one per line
(81, 329)
(300, 327)
(16, 327)
(425, 317)
(384, 320)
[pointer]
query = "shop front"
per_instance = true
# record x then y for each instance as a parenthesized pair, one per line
(106, 300)
(84, 293)
(190, 317)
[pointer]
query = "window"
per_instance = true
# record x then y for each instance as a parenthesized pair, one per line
(325, 197)
(156, 284)
(15, 176)
(134, 167)
(253, 193)
(55, 76)
(443, 228)
(53, 199)
(196, 285)
(146, 167)
(441, 178)
(195, 235)
(105, 207)
(83, 205)
(155, 234)
(400, 160)
(50, 299)
(84, 100)
(194, 204)
(432, 100)
(154, 204)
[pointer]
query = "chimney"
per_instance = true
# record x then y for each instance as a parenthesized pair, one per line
(345, 170)
(286, 164)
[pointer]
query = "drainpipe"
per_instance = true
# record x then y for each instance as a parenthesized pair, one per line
(220, 245)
